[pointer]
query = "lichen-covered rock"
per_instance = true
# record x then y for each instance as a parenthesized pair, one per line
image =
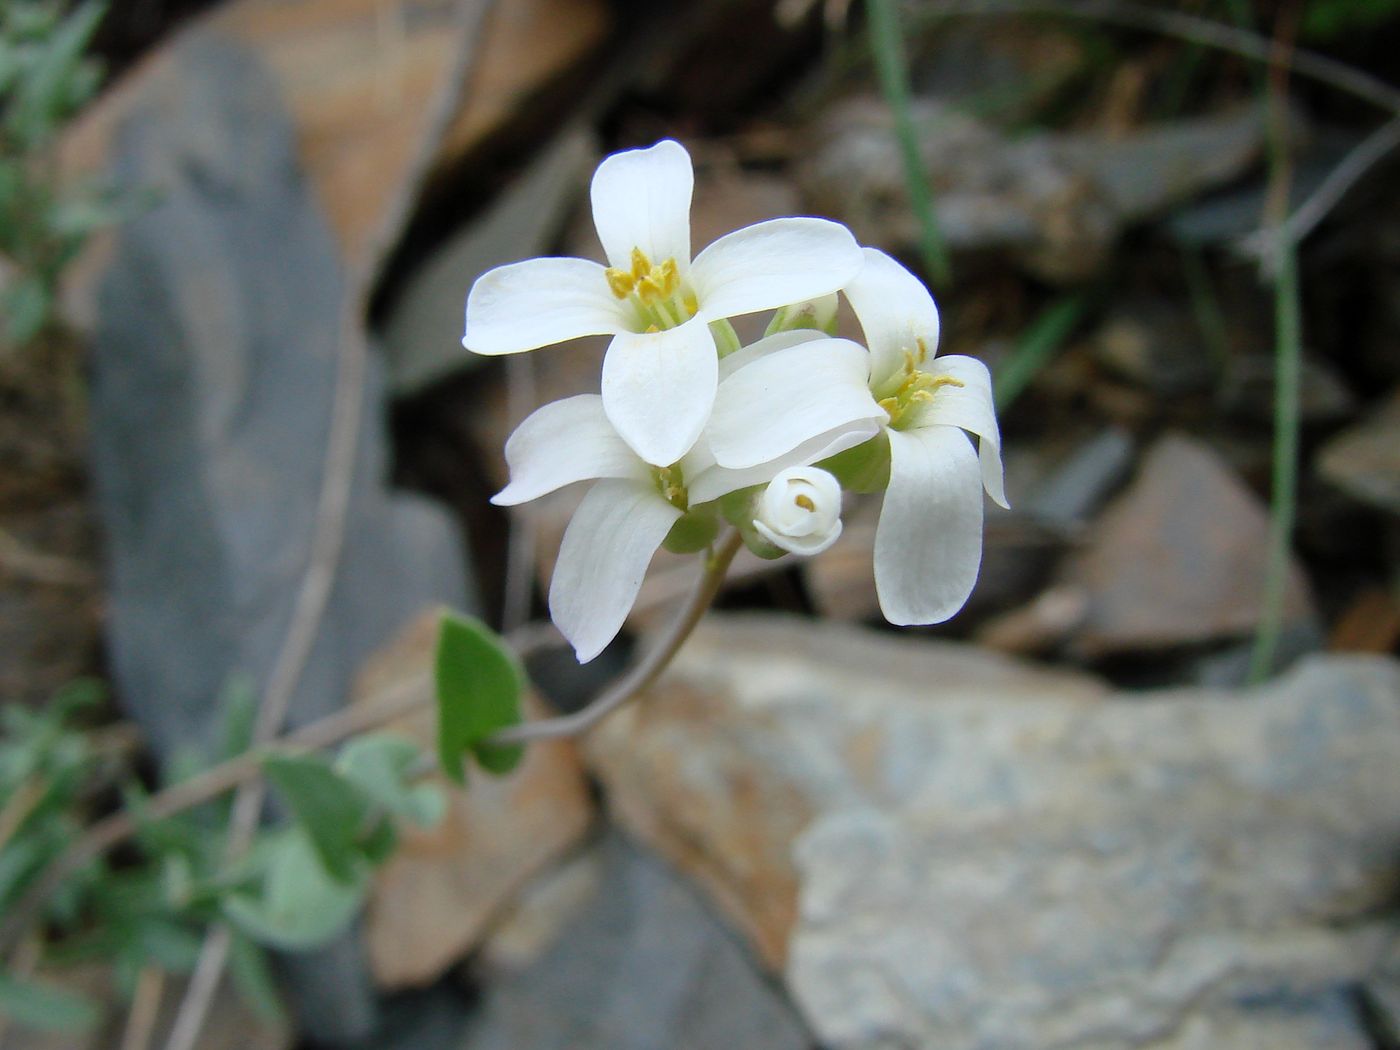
(938, 847)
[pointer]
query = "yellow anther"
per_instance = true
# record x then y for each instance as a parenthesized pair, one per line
(890, 405)
(804, 501)
(923, 349)
(922, 396)
(670, 277)
(648, 289)
(692, 304)
(937, 381)
(652, 328)
(911, 366)
(641, 265)
(620, 281)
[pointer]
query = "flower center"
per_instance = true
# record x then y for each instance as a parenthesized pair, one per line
(912, 386)
(671, 484)
(656, 292)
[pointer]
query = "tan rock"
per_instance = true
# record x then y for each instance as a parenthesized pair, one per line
(434, 900)
(945, 848)
(1179, 558)
(371, 86)
(685, 771)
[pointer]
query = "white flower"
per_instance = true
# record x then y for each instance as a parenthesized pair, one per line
(624, 517)
(800, 510)
(661, 368)
(928, 544)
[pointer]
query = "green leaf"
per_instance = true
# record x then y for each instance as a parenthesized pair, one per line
(333, 810)
(25, 305)
(252, 976)
(383, 766)
(479, 684)
(300, 906)
(46, 1007)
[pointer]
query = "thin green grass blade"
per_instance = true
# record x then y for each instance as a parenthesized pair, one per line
(892, 67)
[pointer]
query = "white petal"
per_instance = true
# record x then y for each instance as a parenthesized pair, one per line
(783, 399)
(769, 344)
(772, 264)
(658, 388)
(806, 546)
(641, 199)
(604, 556)
(561, 443)
(928, 544)
(540, 302)
(895, 310)
(971, 407)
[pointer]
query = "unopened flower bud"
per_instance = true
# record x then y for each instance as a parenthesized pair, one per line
(800, 511)
(816, 314)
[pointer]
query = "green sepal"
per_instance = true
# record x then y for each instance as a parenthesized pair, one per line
(726, 339)
(693, 531)
(817, 315)
(738, 509)
(479, 686)
(865, 468)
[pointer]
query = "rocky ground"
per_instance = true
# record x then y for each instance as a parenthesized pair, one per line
(1061, 820)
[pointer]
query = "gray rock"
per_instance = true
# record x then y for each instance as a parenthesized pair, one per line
(213, 371)
(641, 965)
(1078, 486)
(214, 363)
(1056, 201)
(1364, 460)
(423, 332)
(1178, 559)
(952, 850)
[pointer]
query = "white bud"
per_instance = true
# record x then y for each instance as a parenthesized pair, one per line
(800, 511)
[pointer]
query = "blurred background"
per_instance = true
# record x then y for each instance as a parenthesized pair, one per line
(1141, 793)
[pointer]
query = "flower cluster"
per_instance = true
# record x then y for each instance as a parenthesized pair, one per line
(690, 427)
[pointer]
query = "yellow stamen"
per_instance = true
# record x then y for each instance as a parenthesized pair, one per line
(641, 265)
(804, 501)
(620, 281)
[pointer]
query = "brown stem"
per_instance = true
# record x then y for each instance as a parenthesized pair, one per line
(646, 672)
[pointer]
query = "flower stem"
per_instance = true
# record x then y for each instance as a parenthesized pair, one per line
(646, 672)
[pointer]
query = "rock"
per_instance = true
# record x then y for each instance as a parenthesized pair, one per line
(1178, 558)
(1155, 344)
(432, 901)
(725, 803)
(1364, 460)
(1018, 552)
(936, 846)
(1057, 201)
(1248, 390)
(214, 363)
(213, 369)
(641, 964)
(526, 47)
(1369, 624)
(1076, 487)
(387, 96)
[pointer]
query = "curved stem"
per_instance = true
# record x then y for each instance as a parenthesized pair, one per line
(646, 672)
